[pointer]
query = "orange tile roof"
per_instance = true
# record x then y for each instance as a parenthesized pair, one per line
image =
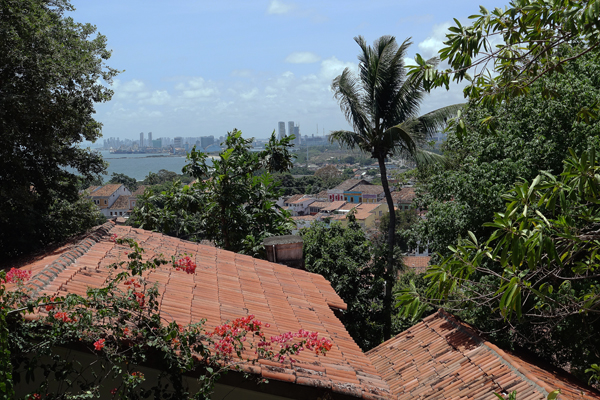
(351, 183)
(416, 263)
(122, 203)
(226, 286)
(441, 357)
(293, 198)
(334, 205)
(140, 190)
(404, 195)
(107, 190)
(369, 189)
(320, 204)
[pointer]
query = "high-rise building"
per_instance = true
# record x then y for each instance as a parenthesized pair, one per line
(150, 139)
(141, 139)
(178, 142)
(290, 128)
(281, 129)
(297, 134)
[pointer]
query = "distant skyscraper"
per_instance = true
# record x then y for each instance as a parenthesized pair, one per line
(141, 139)
(297, 134)
(178, 142)
(281, 129)
(290, 128)
(150, 139)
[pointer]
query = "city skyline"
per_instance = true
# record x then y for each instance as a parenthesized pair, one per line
(205, 68)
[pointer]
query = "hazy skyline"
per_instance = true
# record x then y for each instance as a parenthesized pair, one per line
(200, 68)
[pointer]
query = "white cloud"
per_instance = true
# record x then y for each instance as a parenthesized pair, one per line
(132, 86)
(332, 67)
(302, 57)
(249, 95)
(158, 98)
(197, 88)
(279, 7)
(241, 73)
(430, 46)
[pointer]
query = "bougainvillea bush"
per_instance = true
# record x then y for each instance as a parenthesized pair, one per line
(117, 331)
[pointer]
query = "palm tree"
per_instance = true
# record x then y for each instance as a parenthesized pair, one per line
(382, 106)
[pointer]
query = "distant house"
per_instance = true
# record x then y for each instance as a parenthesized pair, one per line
(443, 358)
(134, 196)
(105, 196)
(317, 206)
(404, 198)
(121, 207)
(370, 193)
(366, 214)
(338, 192)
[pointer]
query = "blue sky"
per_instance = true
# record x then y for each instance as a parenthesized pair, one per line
(199, 68)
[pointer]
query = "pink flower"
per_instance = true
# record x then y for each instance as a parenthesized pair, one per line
(99, 344)
(16, 276)
(114, 391)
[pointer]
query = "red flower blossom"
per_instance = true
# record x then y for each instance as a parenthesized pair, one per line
(99, 344)
(16, 276)
(186, 264)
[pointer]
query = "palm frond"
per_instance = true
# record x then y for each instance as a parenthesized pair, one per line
(350, 139)
(436, 120)
(346, 90)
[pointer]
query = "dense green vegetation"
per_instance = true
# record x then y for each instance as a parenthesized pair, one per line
(51, 69)
(231, 203)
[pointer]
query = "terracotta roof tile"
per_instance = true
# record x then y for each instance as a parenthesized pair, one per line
(140, 190)
(418, 264)
(227, 286)
(333, 206)
(369, 189)
(404, 195)
(107, 190)
(349, 184)
(443, 358)
(122, 203)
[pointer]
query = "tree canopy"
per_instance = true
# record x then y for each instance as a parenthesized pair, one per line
(504, 51)
(232, 201)
(531, 133)
(52, 71)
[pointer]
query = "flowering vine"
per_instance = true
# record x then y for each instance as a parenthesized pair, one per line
(120, 323)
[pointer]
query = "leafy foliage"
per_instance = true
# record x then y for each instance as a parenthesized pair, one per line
(345, 257)
(129, 182)
(532, 34)
(530, 134)
(232, 202)
(537, 271)
(51, 69)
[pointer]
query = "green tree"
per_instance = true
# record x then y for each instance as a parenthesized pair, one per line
(532, 134)
(51, 74)
(129, 182)
(382, 105)
(232, 202)
(534, 280)
(533, 33)
(344, 256)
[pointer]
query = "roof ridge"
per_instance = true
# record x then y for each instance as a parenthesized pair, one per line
(509, 361)
(51, 271)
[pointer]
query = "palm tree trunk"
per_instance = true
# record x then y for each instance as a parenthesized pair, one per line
(390, 279)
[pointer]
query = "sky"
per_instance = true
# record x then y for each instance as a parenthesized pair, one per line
(201, 68)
